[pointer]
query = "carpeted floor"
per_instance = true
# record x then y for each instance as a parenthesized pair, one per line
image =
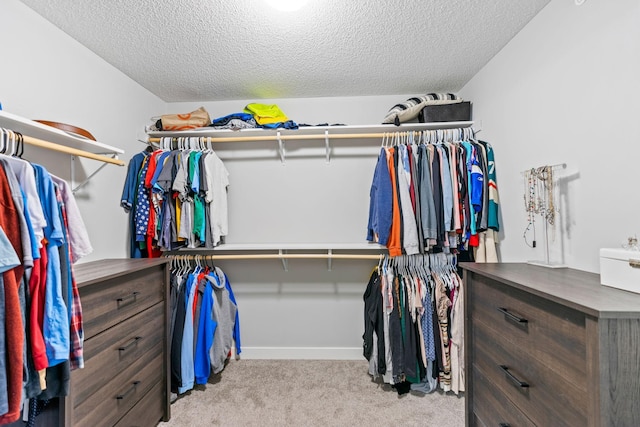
(309, 393)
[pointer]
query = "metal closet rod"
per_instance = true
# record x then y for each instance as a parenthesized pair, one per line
(69, 150)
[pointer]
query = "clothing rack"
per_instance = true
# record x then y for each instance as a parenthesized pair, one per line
(72, 151)
(281, 255)
(293, 135)
(200, 139)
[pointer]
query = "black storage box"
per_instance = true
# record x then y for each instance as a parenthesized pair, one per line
(458, 112)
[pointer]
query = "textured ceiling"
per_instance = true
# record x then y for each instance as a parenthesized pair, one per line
(209, 50)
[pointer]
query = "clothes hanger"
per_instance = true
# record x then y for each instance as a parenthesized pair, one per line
(20, 145)
(12, 139)
(3, 139)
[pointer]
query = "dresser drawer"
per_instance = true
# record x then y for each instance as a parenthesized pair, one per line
(546, 398)
(553, 334)
(109, 302)
(116, 398)
(148, 411)
(491, 407)
(113, 350)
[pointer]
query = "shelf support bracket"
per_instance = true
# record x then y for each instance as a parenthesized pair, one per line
(326, 145)
(280, 146)
(285, 262)
(330, 254)
(83, 183)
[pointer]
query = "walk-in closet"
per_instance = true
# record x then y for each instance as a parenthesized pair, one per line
(319, 213)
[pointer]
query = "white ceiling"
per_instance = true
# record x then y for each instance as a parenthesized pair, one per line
(210, 50)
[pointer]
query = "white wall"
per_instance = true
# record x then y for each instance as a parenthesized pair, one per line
(47, 75)
(565, 90)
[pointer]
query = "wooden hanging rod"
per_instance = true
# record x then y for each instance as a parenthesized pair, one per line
(284, 137)
(276, 256)
(69, 150)
(293, 136)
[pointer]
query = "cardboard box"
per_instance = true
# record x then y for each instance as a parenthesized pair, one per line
(620, 268)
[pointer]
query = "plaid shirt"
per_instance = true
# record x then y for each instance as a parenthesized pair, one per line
(76, 335)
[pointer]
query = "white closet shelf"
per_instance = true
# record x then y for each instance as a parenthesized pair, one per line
(306, 132)
(48, 137)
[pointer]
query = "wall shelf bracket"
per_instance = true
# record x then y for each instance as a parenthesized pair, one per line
(74, 187)
(285, 261)
(326, 145)
(280, 146)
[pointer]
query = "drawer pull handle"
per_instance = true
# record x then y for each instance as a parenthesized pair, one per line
(131, 297)
(126, 393)
(635, 263)
(513, 378)
(504, 425)
(512, 316)
(128, 346)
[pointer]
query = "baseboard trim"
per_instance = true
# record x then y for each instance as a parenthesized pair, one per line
(308, 353)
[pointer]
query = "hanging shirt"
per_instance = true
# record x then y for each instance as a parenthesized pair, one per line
(217, 178)
(77, 231)
(427, 204)
(224, 314)
(8, 260)
(394, 244)
(380, 202)
(26, 177)
(205, 333)
(494, 199)
(409, 229)
(187, 351)
(13, 324)
(447, 187)
(56, 322)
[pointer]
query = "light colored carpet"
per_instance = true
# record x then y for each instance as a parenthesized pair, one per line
(309, 393)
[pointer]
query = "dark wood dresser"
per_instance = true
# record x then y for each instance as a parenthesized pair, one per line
(549, 347)
(125, 379)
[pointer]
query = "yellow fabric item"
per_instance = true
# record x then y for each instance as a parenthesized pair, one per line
(178, 214)
(266, 114)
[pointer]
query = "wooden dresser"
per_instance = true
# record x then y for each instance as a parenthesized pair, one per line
(549, 347)
(125, 380)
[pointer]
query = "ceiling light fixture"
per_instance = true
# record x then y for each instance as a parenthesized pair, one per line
(287, 5)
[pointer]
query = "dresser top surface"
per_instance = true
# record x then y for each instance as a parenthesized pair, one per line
(96, 271)
(577, 289)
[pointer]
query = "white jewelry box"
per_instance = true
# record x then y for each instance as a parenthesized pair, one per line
(620, 268)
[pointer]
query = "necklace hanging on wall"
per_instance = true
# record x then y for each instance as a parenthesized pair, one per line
(539, 199)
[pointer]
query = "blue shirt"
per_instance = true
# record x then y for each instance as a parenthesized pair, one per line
(56, 318)
(206, 330)
(187, 368)
(380, 202)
